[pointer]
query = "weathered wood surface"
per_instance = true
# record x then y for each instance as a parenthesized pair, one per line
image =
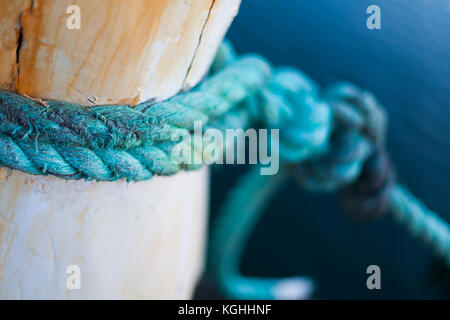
(137, 240)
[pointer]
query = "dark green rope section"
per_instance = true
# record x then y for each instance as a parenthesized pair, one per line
(331, 140)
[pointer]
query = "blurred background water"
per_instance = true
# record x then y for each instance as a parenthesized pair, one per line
(406, 65)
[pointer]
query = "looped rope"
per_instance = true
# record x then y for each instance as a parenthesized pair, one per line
(290, 101)
(368, 197)
(332, 142)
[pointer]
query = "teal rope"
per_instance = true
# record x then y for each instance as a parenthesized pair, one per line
(331, 140)
(232, 228)
(246, 203)
(108, 143)
(421, 221)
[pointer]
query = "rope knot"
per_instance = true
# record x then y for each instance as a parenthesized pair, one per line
(368, 197)
(357, 108)
(339, 165)
(290, 102)
(359, 125)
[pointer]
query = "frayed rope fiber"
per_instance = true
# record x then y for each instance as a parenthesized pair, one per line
(331, 140)
(108, 143)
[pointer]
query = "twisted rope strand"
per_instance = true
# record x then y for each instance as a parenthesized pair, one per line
(421, 221)
(109, 143)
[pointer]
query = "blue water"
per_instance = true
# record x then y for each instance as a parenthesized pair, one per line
(407, 65)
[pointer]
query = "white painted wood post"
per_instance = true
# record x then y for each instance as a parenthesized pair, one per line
(129, 240)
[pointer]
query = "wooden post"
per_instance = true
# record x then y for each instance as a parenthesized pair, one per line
(123, 240)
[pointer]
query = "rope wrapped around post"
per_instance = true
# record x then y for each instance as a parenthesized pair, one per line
(331, 141)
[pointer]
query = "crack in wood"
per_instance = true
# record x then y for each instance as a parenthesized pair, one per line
(198, 45)
(15, 80)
